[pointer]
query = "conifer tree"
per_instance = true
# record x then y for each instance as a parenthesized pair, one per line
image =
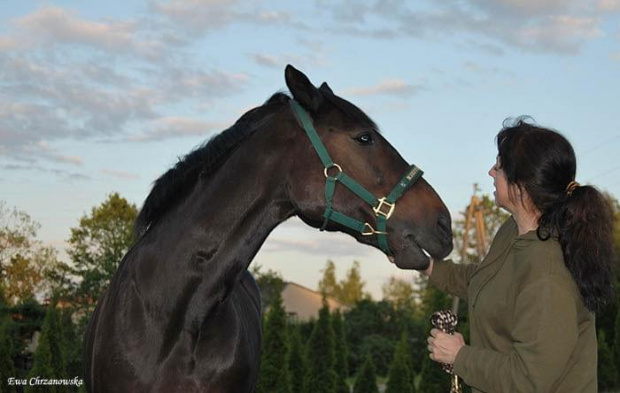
(366, 381)
(433, 378)
(400, 375)
(49, 359)
(606, 369)
(616, 346)
(297, 364)
(273, 376)
(341, 366)
(7, 369)
(321, 358)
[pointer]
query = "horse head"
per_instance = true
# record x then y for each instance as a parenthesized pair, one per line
(384, 201)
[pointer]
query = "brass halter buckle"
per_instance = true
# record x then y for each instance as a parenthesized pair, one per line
(369, 230)
(390, 208)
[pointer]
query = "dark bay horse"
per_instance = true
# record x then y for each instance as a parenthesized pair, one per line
(182, 314)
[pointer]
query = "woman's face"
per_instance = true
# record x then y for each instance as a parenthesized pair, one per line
(502, 198)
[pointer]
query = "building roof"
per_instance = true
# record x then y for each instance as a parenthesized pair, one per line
(304, 304)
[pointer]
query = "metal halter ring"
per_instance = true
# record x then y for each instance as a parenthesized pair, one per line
(382, 203)
(369, 230)
(333, 165)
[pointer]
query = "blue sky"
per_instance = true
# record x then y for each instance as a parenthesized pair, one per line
(97, 97)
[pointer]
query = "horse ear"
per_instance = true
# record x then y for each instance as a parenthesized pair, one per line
(325, 87)
(302, 89)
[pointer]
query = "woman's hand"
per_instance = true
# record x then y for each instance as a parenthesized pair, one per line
(444, 347)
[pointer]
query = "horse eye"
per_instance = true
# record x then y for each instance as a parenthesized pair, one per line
(364, 139)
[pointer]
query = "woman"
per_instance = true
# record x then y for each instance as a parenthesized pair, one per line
(532, 299)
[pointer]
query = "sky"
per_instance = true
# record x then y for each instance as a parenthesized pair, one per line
(102, 97)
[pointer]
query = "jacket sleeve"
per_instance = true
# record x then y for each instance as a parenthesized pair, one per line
(544, 333)
(452, 278)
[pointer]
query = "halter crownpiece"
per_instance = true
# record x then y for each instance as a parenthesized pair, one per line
(572, 186)
(382, 207)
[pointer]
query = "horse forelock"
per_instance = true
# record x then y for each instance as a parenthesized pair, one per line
(174, 185)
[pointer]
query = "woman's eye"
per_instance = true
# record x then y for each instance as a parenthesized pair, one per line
(364, 139)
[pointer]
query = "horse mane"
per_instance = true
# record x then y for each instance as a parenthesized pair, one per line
(174, 185)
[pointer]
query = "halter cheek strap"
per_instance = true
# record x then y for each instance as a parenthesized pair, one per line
(382, 207)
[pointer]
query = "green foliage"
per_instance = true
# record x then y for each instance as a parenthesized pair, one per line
(400, 375)
(321, 357)
(270, 284)
(341, 366)
(328, 285)
(616, 347)
(400, 293)
(97, 246)
(352, 288)
(348, 291)
(50, 358)
(375, 327)
(25, 264)
(433, 378)
(273, 376)
(297, 360)
(366, 381)
(606, 368)
(7, 369)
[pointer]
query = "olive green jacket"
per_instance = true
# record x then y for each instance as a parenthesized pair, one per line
(529, 328)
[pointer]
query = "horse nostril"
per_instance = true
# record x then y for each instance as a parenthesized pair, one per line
(444, 225)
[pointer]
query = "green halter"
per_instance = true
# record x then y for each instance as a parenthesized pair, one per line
(383, 207)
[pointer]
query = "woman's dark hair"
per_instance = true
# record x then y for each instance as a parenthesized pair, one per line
(542, 162)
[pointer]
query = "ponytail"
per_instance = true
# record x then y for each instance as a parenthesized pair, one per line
(583, 221)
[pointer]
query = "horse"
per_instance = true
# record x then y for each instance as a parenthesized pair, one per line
(182, 312)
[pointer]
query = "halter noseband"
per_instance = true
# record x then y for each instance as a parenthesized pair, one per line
(383, 207)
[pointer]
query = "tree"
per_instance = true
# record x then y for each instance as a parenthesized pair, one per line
(616, 347)
(352, 288)
(25, 264)
(400, 293)
(366, 381)
(341, 365)
(328, 285)
(400, 376)
(321, 358)
(7, 369)
(297, 361)
(97, 246)
(273, 376)
(433, 378)
(270, 284)
(606, 369)
(49, 359)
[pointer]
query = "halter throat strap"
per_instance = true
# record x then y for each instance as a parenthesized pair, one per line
(382, 207)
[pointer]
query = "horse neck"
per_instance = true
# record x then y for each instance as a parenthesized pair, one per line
(207, 241)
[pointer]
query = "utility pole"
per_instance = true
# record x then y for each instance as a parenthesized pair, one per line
(475, 215)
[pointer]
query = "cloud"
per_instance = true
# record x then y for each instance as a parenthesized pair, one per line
(173, 127)
(49, 94)
(203, 17)
(340, 245)
(54, 25)
(554, 26)
(608, 5)
(64, 174)
(266, 60)
(394, 87)
(122, 175)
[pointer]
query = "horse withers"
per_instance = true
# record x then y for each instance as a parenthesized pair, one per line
(182, 313)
